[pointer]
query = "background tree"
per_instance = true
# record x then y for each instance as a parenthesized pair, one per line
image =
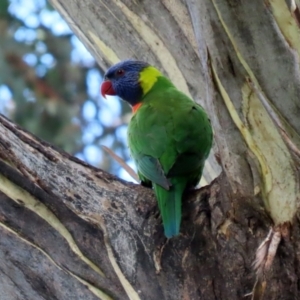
(240, 60)
(49, 85)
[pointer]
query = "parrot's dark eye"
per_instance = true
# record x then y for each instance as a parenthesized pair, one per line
(120, 72)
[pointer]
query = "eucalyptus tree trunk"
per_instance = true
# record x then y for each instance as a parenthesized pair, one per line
(70, 231)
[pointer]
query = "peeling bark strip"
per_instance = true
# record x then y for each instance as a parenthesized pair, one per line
(70, 231)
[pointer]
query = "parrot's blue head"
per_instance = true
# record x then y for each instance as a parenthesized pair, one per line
(123, 80)
(130, 80)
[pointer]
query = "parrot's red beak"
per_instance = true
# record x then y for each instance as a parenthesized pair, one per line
(107, 89)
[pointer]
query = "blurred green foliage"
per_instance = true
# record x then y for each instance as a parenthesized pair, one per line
(54, 88)
(42, 104)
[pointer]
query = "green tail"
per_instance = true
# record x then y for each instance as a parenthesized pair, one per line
(169, 203)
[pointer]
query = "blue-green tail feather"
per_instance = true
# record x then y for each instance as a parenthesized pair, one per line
(169, 203)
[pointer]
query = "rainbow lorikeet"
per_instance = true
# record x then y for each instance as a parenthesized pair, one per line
(169, 135)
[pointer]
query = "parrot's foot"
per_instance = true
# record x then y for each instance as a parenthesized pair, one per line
(266, 251)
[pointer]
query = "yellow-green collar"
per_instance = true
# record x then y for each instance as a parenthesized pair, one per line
(148, 78)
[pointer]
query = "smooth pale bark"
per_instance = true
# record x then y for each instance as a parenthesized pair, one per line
(69, 231)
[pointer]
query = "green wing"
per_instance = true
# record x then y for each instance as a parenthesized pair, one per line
(151, 169)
